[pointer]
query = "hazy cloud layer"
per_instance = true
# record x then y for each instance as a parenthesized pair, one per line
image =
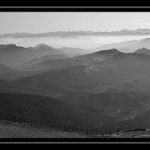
(142, 25)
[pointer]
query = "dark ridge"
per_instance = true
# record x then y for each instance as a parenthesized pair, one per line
(9, 46)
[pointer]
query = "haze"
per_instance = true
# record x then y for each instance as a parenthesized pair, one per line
(42, 22)
(91, 42)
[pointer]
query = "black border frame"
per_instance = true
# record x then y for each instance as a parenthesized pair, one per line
(74, 9)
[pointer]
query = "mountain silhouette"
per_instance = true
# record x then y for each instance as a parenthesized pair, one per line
(12, 55)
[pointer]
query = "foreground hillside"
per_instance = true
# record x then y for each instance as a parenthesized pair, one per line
(49, 109)
(24, 131)
(82, 111)
(15, 130)
(41, 108)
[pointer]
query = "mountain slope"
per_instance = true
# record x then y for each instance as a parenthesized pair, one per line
(13, 87)
(94, 72)
(37, 107)
(137, 85)
(71, 52)
(48, 109)
(7, 73)
(15, 130)
(143, 51)
(37, 61)
(116, 107)
(78, 60)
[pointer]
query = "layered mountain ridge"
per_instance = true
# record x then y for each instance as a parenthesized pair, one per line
(107, 85)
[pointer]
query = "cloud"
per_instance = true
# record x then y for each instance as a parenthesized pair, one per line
(141, 25)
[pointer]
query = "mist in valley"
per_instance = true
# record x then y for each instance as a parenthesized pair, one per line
(84, 42)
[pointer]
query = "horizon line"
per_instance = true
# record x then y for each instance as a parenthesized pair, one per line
(77, 31)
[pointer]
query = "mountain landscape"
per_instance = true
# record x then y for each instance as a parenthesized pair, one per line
(105, 88)
(76, 74)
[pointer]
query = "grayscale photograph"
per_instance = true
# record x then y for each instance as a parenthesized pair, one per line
(74, 75)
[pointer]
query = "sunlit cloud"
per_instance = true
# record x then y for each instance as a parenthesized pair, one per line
(141, 25)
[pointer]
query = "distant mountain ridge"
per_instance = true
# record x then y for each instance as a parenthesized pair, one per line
(127, 46)
(47, 49)
(76, 33)
(12, 55)
(143, 51)
(71, 52)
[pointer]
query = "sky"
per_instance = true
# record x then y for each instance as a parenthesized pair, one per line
(43, 22)
(39, 22)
